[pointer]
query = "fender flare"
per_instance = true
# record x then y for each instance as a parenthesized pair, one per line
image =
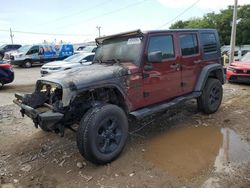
(120, 89)
(205, 74)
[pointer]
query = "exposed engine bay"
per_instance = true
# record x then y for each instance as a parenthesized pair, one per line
(50, 94)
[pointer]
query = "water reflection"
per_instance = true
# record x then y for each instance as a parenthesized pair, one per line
(187, 152)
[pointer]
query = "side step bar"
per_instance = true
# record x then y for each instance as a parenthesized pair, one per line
(143, 112)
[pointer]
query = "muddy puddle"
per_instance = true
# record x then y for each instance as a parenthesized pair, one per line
(191, 151)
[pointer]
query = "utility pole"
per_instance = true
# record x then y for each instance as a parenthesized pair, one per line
(99, 30)
(11, 36)
(233, 33)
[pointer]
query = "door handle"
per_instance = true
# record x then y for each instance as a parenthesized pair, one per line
(197, 61)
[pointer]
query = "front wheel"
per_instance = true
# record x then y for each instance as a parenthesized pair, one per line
(102, 133)
(211, 97)
(27, 64)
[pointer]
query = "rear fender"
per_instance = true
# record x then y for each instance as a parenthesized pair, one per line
(212, 70)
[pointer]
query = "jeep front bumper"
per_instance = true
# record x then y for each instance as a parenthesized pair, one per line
(47, 118)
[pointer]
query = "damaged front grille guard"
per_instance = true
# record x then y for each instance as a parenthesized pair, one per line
(48, 118)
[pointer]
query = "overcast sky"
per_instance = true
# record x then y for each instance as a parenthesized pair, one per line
(76, 20)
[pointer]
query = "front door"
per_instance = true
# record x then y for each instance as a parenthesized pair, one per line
(163, 80)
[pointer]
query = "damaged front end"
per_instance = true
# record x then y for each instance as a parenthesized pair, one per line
(44, 106)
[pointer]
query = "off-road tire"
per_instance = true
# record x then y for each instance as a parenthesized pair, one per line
(102, 125)
(211, 97)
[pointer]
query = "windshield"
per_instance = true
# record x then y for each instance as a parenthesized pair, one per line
(76, 58)
(89, 48)
(24, 48)
(2, 46)
(246, 57)
(121, 49)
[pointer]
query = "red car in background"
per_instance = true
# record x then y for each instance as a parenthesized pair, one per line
(239, 71)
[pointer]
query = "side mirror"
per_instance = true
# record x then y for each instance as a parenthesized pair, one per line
(154, 57)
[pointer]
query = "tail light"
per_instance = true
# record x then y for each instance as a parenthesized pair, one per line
(6, 66)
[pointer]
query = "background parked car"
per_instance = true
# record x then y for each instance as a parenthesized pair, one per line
(6, 73)
(40, 54)
(8, 47)
(73, 61)
(87, 49)
(239, 71)
(80, 48)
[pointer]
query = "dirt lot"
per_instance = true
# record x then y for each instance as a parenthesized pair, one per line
(24, 81)
(179, 148)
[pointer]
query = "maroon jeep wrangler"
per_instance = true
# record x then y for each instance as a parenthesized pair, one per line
(133, 74)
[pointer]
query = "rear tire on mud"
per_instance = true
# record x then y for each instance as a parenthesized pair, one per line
(211, 97)
(102, 133)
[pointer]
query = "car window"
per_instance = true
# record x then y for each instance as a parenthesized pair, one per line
(90, 48)
(94, 49)
(89, 58)
(16, 47)
(33, 50)
(7, 47)
(188, 44)
(209, 42)
(163, 44)
(246, 57)
(81, 48)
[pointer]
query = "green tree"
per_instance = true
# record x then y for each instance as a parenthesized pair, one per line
(222, 22)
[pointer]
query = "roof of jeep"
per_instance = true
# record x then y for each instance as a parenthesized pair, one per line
(142, 33)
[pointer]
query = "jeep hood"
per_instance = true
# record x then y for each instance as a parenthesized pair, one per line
(65, 64)
(87, 76)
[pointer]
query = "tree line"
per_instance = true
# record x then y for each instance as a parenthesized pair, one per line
(222, 21)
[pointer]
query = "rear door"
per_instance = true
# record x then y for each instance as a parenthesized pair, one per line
(162, 81)
(190, 60)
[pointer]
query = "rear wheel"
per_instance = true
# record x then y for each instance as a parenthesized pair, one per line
(211, 97)
(102, 133)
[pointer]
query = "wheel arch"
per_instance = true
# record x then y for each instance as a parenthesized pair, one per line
(210, 71)
(110, 93)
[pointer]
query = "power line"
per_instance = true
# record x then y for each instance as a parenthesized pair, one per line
(53, 34)
(76, 13)
(63, 34)
(108, 13)
(184, 11)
